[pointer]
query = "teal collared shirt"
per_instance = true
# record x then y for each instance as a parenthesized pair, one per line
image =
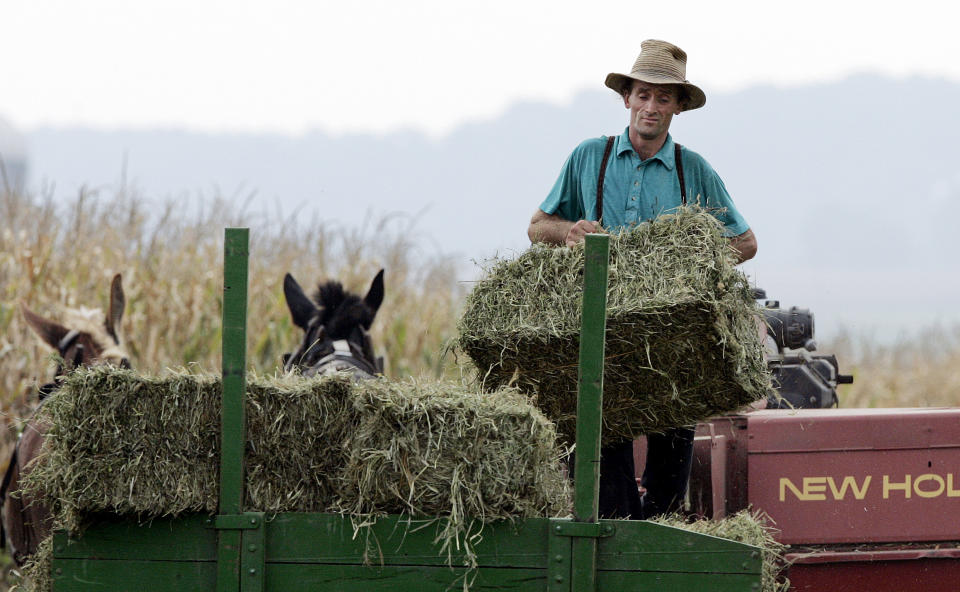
(636, 190)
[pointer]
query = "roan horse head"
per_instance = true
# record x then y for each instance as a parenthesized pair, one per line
(80, 341)
(83, 340)
(335, 326)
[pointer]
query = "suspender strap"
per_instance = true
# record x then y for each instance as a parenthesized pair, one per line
(679, 160)
(603, 173)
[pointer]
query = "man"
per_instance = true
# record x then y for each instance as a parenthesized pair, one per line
(641, 179)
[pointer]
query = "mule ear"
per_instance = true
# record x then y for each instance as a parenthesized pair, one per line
(117, 303)
(374, 297)
(49, 331)
(301, 308)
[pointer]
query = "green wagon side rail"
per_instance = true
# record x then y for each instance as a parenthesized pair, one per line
(237, 551)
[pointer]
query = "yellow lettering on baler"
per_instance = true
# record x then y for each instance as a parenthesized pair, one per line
(815, 488)
(927, 486)
(939, 487)
(889, 486)
(851, 483)
(951, 492)
(785, 484)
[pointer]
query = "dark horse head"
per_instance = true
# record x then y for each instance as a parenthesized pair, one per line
(335, 325)
(82, 340)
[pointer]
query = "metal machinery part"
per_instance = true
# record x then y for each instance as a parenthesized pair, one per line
(801, 378)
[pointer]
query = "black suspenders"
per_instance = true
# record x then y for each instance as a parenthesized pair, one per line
(679, 159)
(603, 173)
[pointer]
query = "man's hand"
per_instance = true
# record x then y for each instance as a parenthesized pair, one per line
(579, 231)
(552, 229)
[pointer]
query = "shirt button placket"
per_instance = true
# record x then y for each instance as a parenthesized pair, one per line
(636, 183)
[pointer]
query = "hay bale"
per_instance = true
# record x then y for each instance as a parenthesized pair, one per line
(744, 527)
(130, 444)
(682, 341)
(434, 450)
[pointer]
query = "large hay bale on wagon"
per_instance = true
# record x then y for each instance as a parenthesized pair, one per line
(417, 451)
(129, 444)
(443, 450)
(681, 342)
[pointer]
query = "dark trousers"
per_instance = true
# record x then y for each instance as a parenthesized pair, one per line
(665, 476)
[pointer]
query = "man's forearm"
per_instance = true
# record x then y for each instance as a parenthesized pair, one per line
(547, 228)
(745, 245)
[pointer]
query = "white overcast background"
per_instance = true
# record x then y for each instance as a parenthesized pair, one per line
(375, 66)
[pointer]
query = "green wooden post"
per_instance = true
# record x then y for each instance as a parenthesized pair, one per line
(590, 409)
(233, 421)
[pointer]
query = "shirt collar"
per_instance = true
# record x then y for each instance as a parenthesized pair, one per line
(665, 154)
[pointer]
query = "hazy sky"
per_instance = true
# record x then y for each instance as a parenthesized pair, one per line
(288, 65)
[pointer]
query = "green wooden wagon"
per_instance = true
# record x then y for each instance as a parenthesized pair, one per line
(251, 551)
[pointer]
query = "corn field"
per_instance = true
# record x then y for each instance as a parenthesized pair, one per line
(917, 370)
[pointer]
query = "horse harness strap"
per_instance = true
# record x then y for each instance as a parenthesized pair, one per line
(67, 341)
(603, 173)
(344, 358)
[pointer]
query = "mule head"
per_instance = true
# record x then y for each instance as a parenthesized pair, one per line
(82, 339)
(335, 325)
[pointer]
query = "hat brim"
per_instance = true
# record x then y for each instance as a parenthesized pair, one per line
(616, 82)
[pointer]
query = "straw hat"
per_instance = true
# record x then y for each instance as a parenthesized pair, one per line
(660, 62)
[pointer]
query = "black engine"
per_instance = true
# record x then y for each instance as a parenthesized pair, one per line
(801, 379)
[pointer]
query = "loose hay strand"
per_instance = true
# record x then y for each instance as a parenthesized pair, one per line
(682, 341)
(747, 527)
